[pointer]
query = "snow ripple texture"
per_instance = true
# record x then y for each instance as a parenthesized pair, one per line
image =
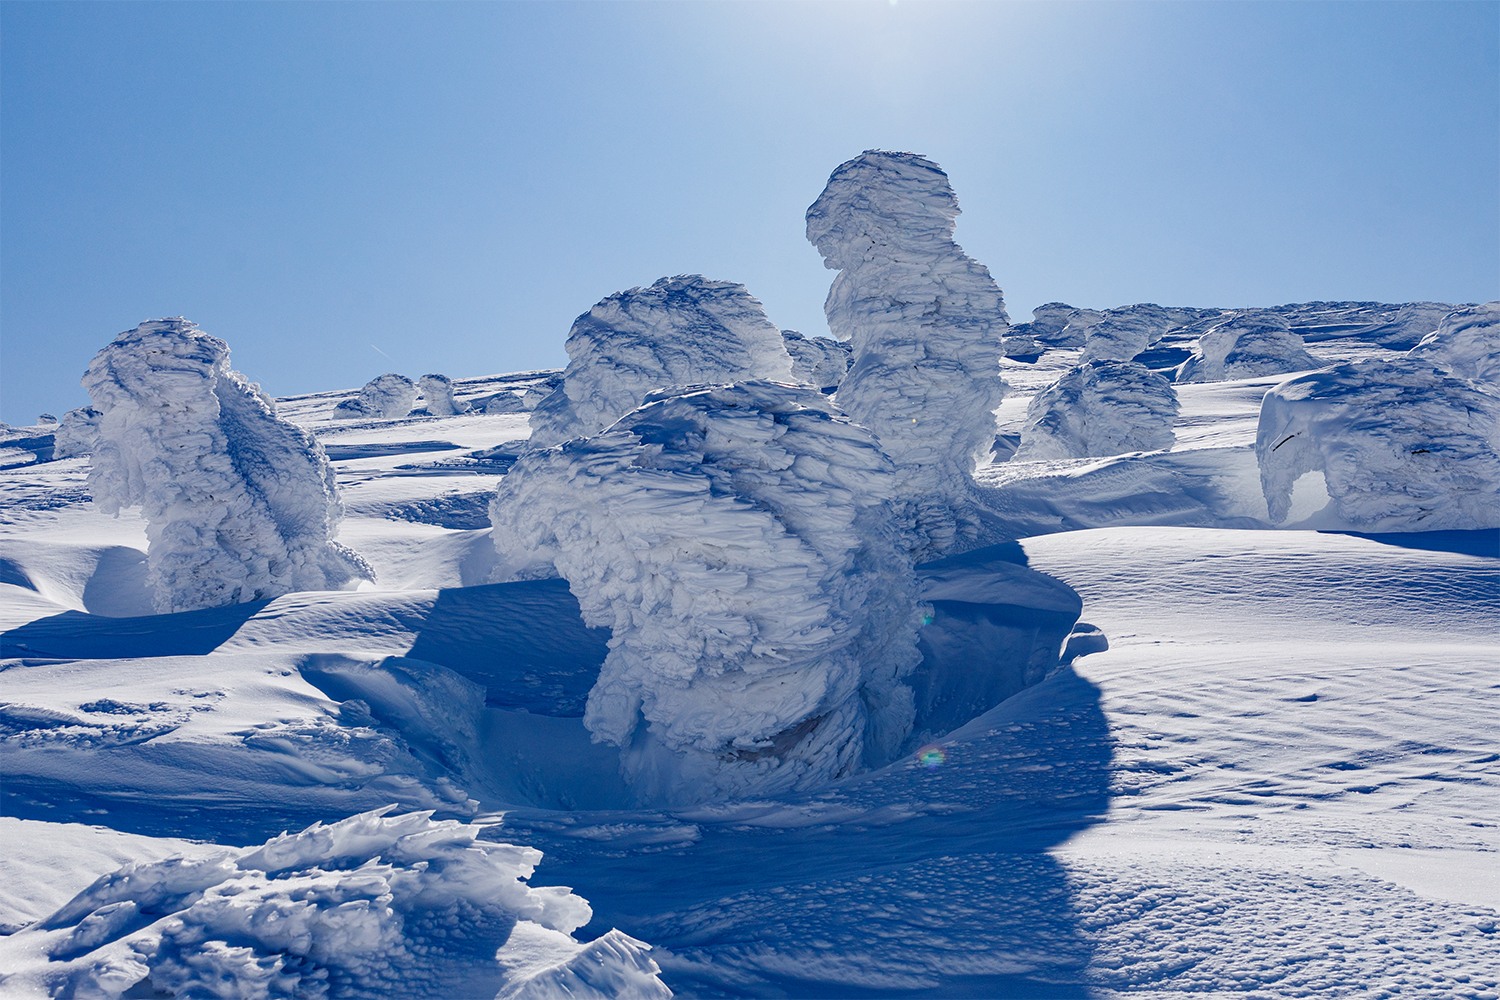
(1247, 346)
(925, 320)
(1097, 409)
(240, 505)
(747, 546)
(371, 906)
(686, 330)
(1465, 344)
(1401, 445)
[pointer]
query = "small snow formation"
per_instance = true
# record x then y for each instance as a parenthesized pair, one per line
(925, 321)
(1117, 338)
(748, 547)
(817, 361)
(373, 905)
(1401, 445)
(1100, 408)
(1247, 345)
(76, 432)
(685, 330)
(240, 505)
(437, 391)
(1466, 343)
(389, 395)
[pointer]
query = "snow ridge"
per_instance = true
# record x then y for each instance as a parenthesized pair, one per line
(1100, 408)
(240, 505)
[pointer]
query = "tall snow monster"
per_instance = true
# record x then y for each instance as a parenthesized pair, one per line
(239, 504)
(925, 320)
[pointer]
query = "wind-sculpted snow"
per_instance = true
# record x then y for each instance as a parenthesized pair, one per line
(1097, 409)
(76, 433)
(747, 546)
(240, 505)
(1246, 346)
(1401, 445)
(685, 330)
(1466, 343)
(817, 361)
(388, 395)
(925, 320)
(373, 905)
(437, 391)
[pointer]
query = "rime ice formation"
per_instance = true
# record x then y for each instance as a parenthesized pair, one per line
(240, 505)
(1116, 338)
(1466, 343)
(925, 321)
(373, 905)
(1100, 408)
(685, 330)
(437, 391)
(1246, 346)
(76, 432)
(1401, 445)
(388, 395)
(817, 361)
(745, 544)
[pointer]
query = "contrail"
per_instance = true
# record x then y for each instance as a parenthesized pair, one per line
(382, 354)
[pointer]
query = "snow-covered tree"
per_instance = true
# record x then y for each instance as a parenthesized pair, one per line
(1100, 408)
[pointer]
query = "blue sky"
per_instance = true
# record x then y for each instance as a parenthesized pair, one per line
(344, 189)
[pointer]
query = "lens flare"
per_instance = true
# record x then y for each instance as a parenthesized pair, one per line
(932, 757)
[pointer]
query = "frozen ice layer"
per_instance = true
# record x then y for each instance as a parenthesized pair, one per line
(240, 505)
(925, 321)
(373, 905)
(1246, 346)
(1466, 343)
(437, 391)
(817, 361)
(1402, 446)
(686, 330)
(389, 395)
(1097, 409)
(747, 545)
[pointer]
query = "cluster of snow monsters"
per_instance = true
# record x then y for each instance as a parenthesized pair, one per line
(240, 505)
(390, 396)
(374, 905)
(1407, 444)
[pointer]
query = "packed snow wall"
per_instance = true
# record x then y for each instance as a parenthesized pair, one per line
(1402, 446)
(1097, 409)
(748, 547)
(925, 320)
(240, 505)
(686, 330)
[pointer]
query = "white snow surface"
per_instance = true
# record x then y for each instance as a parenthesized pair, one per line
(1401, 445)
(1244, 346)
(925, 321)
(747, 547)
(1100, 408)
(1465, 344)
(684, 330)
(239, 504)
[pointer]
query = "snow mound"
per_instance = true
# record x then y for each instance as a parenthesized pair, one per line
(240, 505)
(437, 391)
(686, 330)
(1097, 409)
(388, 395)
(1402, 446)
(924, 318)
(373, 905)
(817, 361)
(1247, 345)
(1466, 343)
(746, 545)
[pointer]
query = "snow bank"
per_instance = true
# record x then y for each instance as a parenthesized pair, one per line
(373, 905)
(685, 330)
(817, 361)
(240, 505)
(1246, 346)
(925, 321)
(437, 391)
(1097, 409)
(76, 433)
(1466, 343)
(746, 545)
(1402, 446)
(388, 395)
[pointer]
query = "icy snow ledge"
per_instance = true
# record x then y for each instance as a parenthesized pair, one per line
(685, 330)
(240, 505)
(1098, 409)
(1402, 446)
(371, 905)
(1247, 346)
(1466, 343)
(745, 543)
(925, 320)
